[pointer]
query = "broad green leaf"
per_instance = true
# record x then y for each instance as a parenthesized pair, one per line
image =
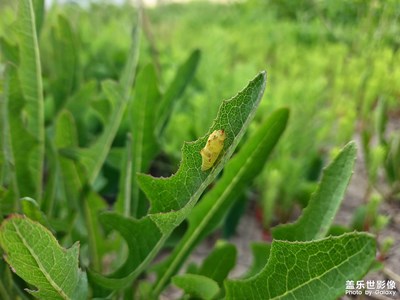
(30, 77)
(39, 10)
(91, 204)
(143, 239)
(219, 263)
(173, 198)
(76, 194)
(143, 290)
(198, 286)
(178, 85)
(238, 174)
(119, 95)
(79, 105)
(22, 111)
(4, 293)
(142, 122)
(124, 199)
(3, 131)
(65, 62)
(34, 255)
(8, 175)
(173, 193)
(260, 253)
(129, 73)
(21, 149)
(6, 281)
(317, 217)
(52, 172)
(93, 158)
(308, 270)
(31, 209)
(66, 135)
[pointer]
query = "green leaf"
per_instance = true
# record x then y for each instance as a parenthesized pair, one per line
(175, 192)
(65, 135)
(31, 209)
(143, 239)
(65, 62)
(8, 197)
(92, 204)
(124, 199)
(93, 158)
(238, 174)
(52, 175)
(29, 73)
(219, 263)
(317, 217)
(260, 253)
(308, 270)
(173, 198)
(6, 282)
(178, 85)
(23, 125)
(75, 193)
(198, 286)
(142, 120)
(39, 9)
(119, 95)
(34, 255)
(129, 73)
(79, 105)
(20, 145)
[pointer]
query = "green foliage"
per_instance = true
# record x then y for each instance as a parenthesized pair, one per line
(23, 92)
(260, 253)
(219, 263)
(34, 254)
(298, 270)
(197, 286)
(329, 60)
(317, 218)
(239, 172)
(172, 199)
(86, 124)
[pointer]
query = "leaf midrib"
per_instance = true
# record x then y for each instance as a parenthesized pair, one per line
(203, 223)
(56, 287)
(139, 154)
(320, 276)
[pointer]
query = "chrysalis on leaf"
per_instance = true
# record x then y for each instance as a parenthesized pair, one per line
(212, 149)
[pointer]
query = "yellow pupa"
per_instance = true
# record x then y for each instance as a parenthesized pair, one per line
(212, 149)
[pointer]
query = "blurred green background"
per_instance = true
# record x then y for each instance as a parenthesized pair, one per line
(335, 64)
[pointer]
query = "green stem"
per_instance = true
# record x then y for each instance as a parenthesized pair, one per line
(3, 292)
(192, 240)
(94, 261)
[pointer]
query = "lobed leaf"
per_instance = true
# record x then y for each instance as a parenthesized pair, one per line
(238, 174)
(308, 270)
(142, 123)
(219, 262)
(260, 253)
(22, 109)
(173, 198)
(198, 286)
(30, 78)
(178, 85)
(34, 255)
(175, 192)
(20, 146)
(119, 94)
(317, 217)
(65, 62)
